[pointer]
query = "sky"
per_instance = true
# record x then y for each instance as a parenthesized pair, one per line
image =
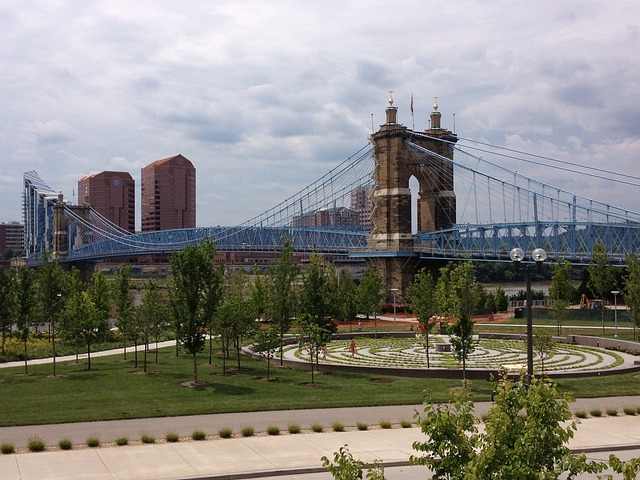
(266, 96)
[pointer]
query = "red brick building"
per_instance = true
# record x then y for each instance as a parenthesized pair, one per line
(168, 194)
(113, 195)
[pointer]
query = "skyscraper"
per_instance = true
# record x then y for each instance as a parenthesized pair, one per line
(112, 194)
(168, 194)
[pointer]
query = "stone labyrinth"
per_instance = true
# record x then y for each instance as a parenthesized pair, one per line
(488, 354)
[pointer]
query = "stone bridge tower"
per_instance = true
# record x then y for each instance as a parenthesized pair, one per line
(390, 246)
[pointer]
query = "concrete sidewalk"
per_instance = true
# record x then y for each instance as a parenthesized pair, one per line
(259, 456)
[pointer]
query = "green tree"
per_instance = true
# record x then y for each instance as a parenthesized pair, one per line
(236, 313)
(422, 295)
(126, 320)
(82, 321)
(561, 291)
(601, 275)
(316, 295)
(525, 437)
(501, 300)
(150, 315)
(100, 295)
(50, 291)
(25, 307)
(7, 305)
(266, 343)
(370, 293)
(195, 295)
(283, 296)
(458, 293)
(346, 302)
(315, 336)
(543, 345)
(631, 290)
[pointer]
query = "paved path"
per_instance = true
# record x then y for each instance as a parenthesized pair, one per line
(259, 456)
(263, 456)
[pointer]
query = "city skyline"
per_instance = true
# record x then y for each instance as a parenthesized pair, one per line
(278, 94)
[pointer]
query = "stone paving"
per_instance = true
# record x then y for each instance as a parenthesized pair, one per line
(488, 354)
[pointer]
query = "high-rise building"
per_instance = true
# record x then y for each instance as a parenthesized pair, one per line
(38, 200)
(362, 205)
(113, 195)
(168, 194)
(11, 237)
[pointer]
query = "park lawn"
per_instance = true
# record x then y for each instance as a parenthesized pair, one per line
(114, 389)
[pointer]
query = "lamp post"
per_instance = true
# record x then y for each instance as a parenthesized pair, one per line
(615, 311)
(539, 255)
(394, 290)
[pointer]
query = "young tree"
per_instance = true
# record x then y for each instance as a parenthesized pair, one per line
(315, 296)
(370, 293)
(316, 336)
(282, 293)
(50, 288)
(543, 345)
(195, 295)
(121, 293)
(346, 304)
(7, 305)
(149, 317)
(25, 306)
(601, 276)
(561, 290)
(631, 290)
(236, 313)
(100, 296)
(266, 343)
(82, 321)
(458, 294)
(422, 295)
(525, 437)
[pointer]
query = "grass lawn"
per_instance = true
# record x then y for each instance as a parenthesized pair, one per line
(114, 389)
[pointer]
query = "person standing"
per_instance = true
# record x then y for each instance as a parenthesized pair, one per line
(352, 348)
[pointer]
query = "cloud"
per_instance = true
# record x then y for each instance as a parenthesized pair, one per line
(265, 97)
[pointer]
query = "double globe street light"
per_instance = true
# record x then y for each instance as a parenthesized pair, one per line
(517, 256)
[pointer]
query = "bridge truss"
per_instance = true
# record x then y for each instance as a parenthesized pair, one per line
(497, 210)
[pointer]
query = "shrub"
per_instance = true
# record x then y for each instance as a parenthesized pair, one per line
(405, 423)
(7, 448)
(36, 444)
(172, 437)
(630, 411)
(385, 423)
(225, 432)
(581, 414)
(247, 431)
(294, 428)
(93, 442)
(612, 412)
(362, 426)
(198, 435)
(338, 427)
(122, 441)
(146, 438)
(273, 430)
(317, 428)
(596, 412)
(65, 444)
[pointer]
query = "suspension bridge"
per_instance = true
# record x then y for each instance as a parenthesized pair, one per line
(466, 207)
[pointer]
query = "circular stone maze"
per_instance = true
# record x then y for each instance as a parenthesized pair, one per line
(487, 354)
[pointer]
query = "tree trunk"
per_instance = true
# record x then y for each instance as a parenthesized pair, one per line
(25, 357)
(135, 355)
(89, 355)
(195, 368)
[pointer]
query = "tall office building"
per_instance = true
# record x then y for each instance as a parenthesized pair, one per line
(168, 194)
(38, 200)
(362, 206)
(113, 195)
(11, 236)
